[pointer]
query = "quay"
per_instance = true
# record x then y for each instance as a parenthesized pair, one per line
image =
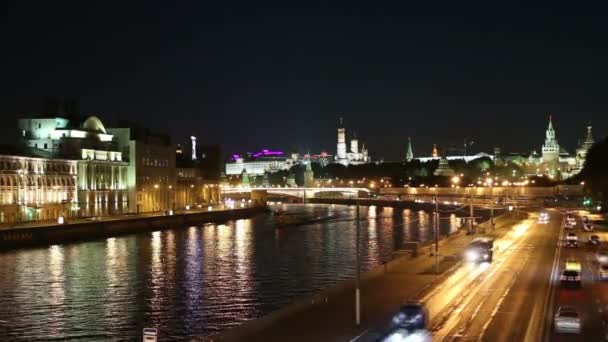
(52, 232)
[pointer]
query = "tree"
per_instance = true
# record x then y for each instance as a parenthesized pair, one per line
(594, 171)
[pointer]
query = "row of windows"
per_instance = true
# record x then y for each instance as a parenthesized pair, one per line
(36, 181)
(35, 165)
(155, 162)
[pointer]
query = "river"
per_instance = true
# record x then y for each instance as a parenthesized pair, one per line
(193, 281)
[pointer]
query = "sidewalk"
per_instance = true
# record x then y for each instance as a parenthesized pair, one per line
(330, 314)
(81, 220)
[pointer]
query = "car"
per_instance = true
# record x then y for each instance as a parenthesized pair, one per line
(585, 219)
(594, 240)
(567, 320)
(588, 227)
(480, 250)
(571, 240)
(401, 335)
(602, 272)
(602, 257)
(570, 278)
(412, 316)
(573, 265)
(567, 225)
(571, 221)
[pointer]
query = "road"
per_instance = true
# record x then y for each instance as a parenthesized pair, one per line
(515, 297)
(591, 300)
(504, 300)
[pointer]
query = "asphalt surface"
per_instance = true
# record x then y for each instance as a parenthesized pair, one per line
(500, 301)
(591, 299)
(503, 300)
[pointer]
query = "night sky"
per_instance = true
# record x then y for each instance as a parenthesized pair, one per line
(248, 75)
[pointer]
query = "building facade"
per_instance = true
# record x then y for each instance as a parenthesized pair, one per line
(150, 173)
(101, 171)
(37, 188)
(194, 191)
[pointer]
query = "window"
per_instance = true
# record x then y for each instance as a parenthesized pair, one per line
(45, 146)
(39, 125)
(35, 145)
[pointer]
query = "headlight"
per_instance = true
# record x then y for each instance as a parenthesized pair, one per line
(485, 256)
(472, 255)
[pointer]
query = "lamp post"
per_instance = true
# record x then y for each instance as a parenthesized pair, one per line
(358, 281)
(154, 203)
(436, 236)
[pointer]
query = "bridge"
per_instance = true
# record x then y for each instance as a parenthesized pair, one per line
(298, 192)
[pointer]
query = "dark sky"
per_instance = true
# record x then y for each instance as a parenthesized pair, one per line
(248, 75)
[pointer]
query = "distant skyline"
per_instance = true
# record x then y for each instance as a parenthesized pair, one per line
(248, 77)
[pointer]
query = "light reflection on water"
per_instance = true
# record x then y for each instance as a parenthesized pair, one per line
(193, 281)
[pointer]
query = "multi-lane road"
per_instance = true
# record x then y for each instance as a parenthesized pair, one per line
(591, 299)
(515, 297)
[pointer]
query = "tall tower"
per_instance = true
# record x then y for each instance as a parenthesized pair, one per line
(583, 149)
(309, 176)
(435, 152)
(193, 138)
(354, 145)
(409, 155)
(341, 152)
(550, 148)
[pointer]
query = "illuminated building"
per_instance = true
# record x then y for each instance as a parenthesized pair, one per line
(101, 172)
(34, 188)
(444, 168)
(435, 153)
(309, 176)
(151, 172)
(550, 149)
(583, 148)
(256, 164)
(355, 156)
(409, 155)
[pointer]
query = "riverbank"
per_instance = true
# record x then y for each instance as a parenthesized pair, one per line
(46, 233)
(329, 315)
(405, 203)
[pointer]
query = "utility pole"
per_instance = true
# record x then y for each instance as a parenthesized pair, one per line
(357, 290)
(471, 214)
(436, 236)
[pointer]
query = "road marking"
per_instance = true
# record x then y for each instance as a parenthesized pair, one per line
(359, 336)
(549, 298)
(497, 306)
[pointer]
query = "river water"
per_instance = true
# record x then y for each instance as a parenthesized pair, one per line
(193, 281)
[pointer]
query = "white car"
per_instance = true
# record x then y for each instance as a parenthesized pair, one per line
(588, 227)
(602, 257)
(571, 240)
(567, 320)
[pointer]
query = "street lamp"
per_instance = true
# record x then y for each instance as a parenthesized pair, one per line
(154, 203)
